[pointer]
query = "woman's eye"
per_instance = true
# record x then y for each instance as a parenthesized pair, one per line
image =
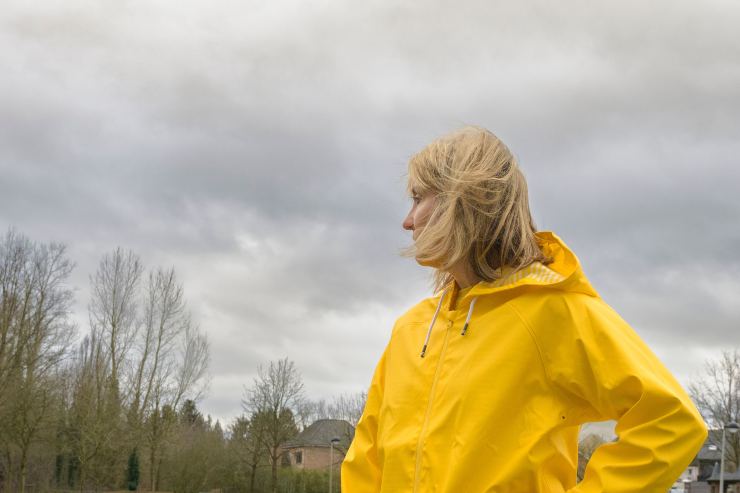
(416, 199)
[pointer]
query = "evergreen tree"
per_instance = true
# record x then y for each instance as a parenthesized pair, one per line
(132, 474)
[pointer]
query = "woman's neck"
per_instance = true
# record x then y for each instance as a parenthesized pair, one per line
(464, 275)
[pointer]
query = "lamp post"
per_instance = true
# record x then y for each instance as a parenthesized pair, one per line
(732, 428)
(333, 441)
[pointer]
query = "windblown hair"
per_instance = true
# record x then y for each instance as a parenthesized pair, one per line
(481, 211)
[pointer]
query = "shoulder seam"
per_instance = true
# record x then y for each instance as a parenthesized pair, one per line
(563, 393)
(551, 382)
(526, 325)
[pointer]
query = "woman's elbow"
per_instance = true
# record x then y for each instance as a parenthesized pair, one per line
(693, 430)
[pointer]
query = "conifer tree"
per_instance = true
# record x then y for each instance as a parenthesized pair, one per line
(132, 474)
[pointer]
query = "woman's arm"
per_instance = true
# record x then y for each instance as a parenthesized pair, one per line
(361, 469)
(602, 366)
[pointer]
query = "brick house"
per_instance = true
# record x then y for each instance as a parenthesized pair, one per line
(702, 475)
(708, 455)
(732, 481)
(311, 450)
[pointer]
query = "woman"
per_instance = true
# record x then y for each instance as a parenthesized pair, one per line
(483, 387)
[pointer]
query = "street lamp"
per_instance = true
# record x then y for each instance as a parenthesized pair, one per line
(333, 442)
(732, 428)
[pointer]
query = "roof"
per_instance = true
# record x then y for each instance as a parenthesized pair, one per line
(321, 432)
(728, 476)
(709, 452)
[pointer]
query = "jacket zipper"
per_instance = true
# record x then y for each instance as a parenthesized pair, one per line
(417, 477)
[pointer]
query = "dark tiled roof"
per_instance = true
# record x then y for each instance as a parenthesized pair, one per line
(320, 433)
(708, 452)
(728, 476)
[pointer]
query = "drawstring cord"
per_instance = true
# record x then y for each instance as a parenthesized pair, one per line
(470, 313)
(434, 319)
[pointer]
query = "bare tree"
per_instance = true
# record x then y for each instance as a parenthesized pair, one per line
(93, 430)
(34, 335)
(276, 390)
(717, 395)
(143, 355)
(307, 411)
(164, 319)
(348, 407)
(171, 362)
(148, 354)
(113, 307)
(113, 314)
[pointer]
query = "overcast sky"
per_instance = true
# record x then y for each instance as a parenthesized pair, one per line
(260, 148)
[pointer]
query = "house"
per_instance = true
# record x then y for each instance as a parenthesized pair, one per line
(731, 479)
(689, 482)
(702, 475)
(708, 455)
(311, 448)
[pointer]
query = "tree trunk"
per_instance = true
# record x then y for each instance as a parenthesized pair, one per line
(24, 460)
(159, 469)
(274, 471)
(153, 467)
(252, 475)
(9, 476)
(82, 477)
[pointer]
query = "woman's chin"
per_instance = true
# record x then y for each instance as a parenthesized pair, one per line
(426, 262)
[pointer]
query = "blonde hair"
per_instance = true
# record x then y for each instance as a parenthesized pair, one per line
(481, 211)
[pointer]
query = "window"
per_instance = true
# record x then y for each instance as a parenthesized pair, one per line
(299, 457)
(285, 460)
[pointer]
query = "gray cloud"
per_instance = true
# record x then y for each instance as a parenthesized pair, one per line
(260, 149)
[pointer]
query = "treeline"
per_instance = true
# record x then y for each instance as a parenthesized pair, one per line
(116, 408)
(276, 410)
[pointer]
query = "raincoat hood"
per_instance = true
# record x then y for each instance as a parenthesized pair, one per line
(509, 371)
(563, 272)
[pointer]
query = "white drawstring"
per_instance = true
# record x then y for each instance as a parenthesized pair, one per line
(470, 313)
(434, 319)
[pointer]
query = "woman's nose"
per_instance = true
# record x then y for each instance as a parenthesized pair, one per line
(408, 223)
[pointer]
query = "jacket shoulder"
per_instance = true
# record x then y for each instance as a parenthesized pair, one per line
(555, 313)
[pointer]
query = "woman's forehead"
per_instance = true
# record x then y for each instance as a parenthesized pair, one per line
(413, 185)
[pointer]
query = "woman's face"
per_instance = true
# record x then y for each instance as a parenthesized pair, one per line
(421, 209)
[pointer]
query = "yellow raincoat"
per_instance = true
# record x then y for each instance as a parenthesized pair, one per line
(495, 403)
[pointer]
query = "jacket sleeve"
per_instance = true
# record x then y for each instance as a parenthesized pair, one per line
(607, 372)
(362, 469)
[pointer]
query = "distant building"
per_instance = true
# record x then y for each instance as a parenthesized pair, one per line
(684, 483)
(732, 480)
(311, 450)
(702, 475)
(708, 455)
